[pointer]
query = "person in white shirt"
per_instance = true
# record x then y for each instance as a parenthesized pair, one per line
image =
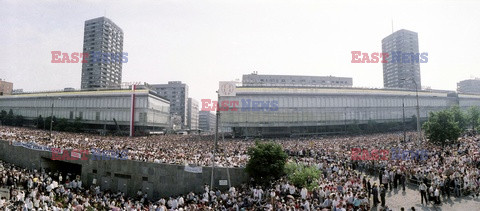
(437, 195)
(291, 189)
(306, 205)
(174, 204)
(260, 193)
(272, 196)
(181, 201)
(303, 193)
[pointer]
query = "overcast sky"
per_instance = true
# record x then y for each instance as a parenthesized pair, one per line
(202, 42)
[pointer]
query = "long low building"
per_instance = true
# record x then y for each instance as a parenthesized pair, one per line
(313, 110)
(95, 108)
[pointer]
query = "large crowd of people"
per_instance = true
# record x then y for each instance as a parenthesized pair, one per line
(344, 184)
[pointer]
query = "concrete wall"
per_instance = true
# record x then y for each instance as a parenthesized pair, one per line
(158, 180)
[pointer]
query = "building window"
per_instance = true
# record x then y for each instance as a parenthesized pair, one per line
(97, 115)
(71, 114)
(80, 114)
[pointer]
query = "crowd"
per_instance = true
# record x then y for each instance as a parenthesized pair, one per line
(344, 183)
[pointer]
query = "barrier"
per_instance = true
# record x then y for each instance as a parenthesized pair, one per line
(128, 176)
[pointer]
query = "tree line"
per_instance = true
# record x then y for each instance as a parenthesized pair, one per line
(444, 127)
(58, 124)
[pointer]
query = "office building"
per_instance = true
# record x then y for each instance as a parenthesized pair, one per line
(399, 72)
(6, 88)
(206, 121)
(177, 93)
(471, 86)
(96, 109)
(102, 36)
(192, 114)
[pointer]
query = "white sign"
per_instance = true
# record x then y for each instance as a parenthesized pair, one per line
(227, 88)
(196, 169)
(126, 85)
(223, 182)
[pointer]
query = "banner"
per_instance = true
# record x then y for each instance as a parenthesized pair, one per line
(195, 169)
(31, 145)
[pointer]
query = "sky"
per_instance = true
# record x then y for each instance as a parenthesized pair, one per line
(202, 42)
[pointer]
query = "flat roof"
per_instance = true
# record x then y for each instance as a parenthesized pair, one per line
(83, 93)
(338, 90)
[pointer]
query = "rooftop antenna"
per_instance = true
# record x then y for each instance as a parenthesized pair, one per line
(392, 25)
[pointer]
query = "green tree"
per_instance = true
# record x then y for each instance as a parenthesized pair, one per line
(266, 163)
(47, 122)
(412, 124)
(372, 126)
(303, 176)
(3, 115)
(459, 117)
(9, 119)
(19, 120)
(441, 128)
(354, 128)
(77, 125)
(40, 122)
(474, 117)
(61, 125)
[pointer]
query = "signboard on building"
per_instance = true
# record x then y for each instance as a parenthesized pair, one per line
(227, 88)
(193, 169)
(223, 182)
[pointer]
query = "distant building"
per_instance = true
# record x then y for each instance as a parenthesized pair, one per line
(177, 93)
(471, 86)
(253, 80)
(394, 73)
(17, 91)
(6, 88)
(192, 113)
(206, 121)
(97, 109)
(102, 35)
(296, 111)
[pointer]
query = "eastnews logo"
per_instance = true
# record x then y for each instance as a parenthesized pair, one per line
(247, 105)
(95, 57)
(397, 57)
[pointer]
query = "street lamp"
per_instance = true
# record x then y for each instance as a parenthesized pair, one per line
(419, 130)
(215, 144)
(51, 118)
(403, 120)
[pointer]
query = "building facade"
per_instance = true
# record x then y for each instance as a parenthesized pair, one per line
(95, 108)
(471, 86)
(177, 93)
(398, 73)
(293, 80)
(206, 121)
(102, 36)
(6, 88)
(192, 120)
(263, 111)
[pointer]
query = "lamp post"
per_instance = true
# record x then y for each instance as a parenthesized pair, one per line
(419, 130)
(51, 118)
(403, 118)
(212, 183)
